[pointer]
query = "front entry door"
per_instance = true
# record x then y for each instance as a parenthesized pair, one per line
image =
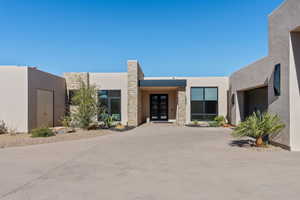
(158, 107)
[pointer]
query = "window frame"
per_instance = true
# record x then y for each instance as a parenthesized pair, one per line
(204, 104)
(109, 98)
(277, 79)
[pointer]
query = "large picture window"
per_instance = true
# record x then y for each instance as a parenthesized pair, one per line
(111, 101)
(204, 103)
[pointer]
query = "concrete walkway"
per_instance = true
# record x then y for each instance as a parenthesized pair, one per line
(153, 162)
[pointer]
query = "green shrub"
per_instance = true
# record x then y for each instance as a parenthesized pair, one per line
(3, 127)
(195, 122)
(259, 126)
(213, 124)
(66, 121)
(107, 120)
(42, 132)
(86, 110)
(220, 120)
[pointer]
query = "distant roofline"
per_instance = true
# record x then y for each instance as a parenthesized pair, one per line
(180, 77)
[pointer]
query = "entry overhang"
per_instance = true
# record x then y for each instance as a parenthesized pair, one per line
(162, 83)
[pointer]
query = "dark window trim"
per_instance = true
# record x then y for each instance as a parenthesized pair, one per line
(204, 114)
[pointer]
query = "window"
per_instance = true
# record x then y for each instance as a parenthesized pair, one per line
(71, 95)
(111, 101)
(276, 81)
(204, 103)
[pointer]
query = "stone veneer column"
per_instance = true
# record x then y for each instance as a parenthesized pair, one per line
(181, 112)
(134, 96)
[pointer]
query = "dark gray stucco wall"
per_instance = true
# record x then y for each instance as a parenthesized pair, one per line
(45, 81)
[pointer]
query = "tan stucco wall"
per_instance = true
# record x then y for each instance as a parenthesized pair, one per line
(45, 81)
(222, 83)
(14, 97)
(113, 81)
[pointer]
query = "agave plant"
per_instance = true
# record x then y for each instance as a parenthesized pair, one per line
(259, 126)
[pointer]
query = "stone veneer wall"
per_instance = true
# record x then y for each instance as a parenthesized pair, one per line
(73, 79)
(73, 83)
(181, 112)
(134, 95)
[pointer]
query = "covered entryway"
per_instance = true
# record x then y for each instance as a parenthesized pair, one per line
(256, 100)
(159, 107)
(44, 108)
(162, 100)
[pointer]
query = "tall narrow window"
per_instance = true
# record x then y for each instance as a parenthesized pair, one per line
(204, 103)
(111, 101)
(276, 81)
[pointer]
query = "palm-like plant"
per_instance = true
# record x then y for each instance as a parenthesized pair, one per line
(259, 126)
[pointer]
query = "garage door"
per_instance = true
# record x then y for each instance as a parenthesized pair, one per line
(44, 108)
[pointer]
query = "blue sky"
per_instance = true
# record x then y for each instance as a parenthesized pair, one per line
(168, 37)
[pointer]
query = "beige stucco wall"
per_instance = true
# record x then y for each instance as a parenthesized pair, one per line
(222, 83)
(113, 81)
(39, 80)
(18, 86)
(14, 97)
(295, 91)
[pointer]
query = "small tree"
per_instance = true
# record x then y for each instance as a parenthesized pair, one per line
(259, 126)
(3, 127)
(87, 108)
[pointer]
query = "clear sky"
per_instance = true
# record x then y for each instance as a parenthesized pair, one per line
(168, 37)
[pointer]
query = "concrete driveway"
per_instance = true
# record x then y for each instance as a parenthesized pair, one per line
(156, 162)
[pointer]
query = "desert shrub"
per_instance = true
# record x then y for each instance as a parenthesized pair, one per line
(195, 122)
(107, 120)
(3, 127)
(259, 126)
(87, 108)
(213, 124)
(42, 132)
(66, 121)
(220, 120)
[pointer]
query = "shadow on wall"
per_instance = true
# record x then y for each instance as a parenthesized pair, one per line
(271, 94)
(295, 38)
(241, 103)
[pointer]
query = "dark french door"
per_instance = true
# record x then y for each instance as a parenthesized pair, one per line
(158, 107)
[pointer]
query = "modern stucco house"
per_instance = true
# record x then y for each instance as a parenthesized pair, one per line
(135, 99)
(270, 84)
